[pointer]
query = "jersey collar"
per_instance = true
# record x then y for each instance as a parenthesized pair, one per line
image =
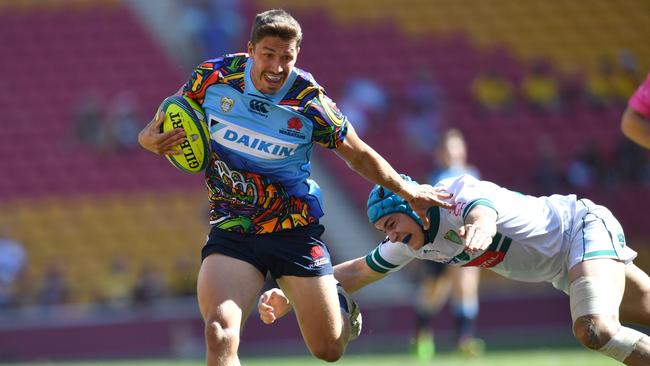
(249, 87)
(434, 224)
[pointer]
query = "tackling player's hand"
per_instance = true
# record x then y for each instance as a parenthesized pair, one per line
(424, 196)
(161, 143)
(273, 305)
(474, 238)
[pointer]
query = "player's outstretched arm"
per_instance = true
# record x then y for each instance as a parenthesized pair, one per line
(356, 274)
(636, 127)
(352, 275)
(158, 142)
(369, 164)
(479, 229)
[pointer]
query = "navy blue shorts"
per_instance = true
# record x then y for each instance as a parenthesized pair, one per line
(295, 252)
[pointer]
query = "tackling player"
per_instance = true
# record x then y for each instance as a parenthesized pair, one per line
(573, 243)
(635, 122)
(265, 115)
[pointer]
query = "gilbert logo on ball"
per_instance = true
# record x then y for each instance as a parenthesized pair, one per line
(183, 112)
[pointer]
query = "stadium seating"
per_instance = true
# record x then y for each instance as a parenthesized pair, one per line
(67, 200)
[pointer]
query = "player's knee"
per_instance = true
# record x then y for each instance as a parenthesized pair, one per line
(328, 351)
(221, 339)
(594, 331)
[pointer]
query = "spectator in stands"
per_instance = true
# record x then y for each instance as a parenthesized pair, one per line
(611, 85)
(118, 283)
(588, 167)
(149, 287)
(54, 288)
(123, 121)
(635, 122)
(572, 89)
(214, 26)
(540, 88)
(492, 92)
(13, 261)
(439, 282)
(183, 278)
(364, 100)
(548, 172)
(630, 163)
(424, 114)
(89, 122)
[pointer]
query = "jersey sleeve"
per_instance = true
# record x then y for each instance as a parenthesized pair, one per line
(330, 125)
(468, 192)
(640, 100)
(388, 257)
(202, 77)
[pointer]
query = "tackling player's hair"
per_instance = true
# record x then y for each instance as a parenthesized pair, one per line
(276, 23)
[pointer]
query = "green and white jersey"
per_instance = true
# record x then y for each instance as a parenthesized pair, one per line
(538, 238)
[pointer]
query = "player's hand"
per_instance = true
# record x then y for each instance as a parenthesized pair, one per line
(158, 142)
(475, 238)
(273, 305)
(424, 196)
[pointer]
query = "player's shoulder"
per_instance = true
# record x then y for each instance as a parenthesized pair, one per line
(229, 63)
(227, 69)
(303, 90)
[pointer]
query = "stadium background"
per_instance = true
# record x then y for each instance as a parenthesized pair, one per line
(99, 217)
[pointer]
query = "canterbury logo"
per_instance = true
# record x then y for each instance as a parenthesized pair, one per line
(259, 106)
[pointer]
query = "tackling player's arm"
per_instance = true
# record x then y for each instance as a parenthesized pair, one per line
(479, 228)
(364, 160)
(352, 275)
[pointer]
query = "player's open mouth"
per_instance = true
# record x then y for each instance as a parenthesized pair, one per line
(272, 78)
(406, 239)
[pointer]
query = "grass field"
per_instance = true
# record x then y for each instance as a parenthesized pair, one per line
(541, 357)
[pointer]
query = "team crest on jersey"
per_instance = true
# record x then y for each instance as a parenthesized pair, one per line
(227, 104)
(453, 237)
(294, 125)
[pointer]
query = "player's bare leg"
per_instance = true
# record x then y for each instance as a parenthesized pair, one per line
(598, 286)
(324, 326)
(225, 303)
(431, 296)
(635, 307)
(464, 297)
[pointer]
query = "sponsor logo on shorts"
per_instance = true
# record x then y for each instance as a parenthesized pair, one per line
(318, 255)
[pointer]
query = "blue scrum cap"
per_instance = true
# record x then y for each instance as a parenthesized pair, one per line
(382, 202)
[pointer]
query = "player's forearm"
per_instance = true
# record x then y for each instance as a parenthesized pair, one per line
(636, 127)
(483, 217)
(355, 274)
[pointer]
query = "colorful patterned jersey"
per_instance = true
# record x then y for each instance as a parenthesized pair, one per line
(640, 100)
(258, 176)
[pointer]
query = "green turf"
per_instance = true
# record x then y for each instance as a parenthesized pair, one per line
(542, 357)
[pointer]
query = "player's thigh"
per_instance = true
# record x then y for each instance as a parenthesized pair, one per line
(635, 306)
(315, 302)
(227, 289)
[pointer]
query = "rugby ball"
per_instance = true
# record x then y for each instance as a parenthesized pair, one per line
(183, 112)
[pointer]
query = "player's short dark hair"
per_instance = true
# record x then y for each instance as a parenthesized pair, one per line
(276, 23)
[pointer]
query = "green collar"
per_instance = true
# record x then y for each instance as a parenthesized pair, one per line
(434, 224)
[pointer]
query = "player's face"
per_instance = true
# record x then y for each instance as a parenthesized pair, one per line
(402, 228)
(273, 60)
